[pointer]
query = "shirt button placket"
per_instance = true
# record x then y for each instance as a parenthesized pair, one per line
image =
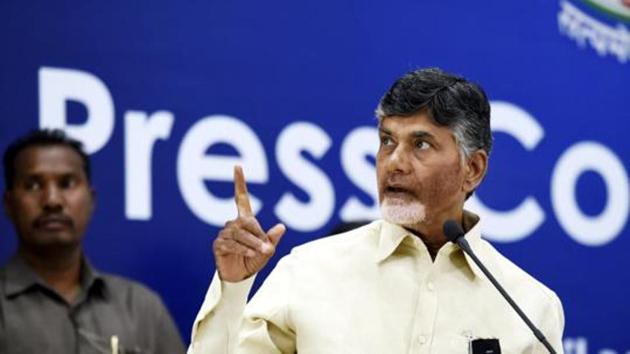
(430, 311)
(426, 310)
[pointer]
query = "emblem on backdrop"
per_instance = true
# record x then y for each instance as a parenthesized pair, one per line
(601, 25)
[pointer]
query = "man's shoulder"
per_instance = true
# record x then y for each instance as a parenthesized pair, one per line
(340, 251)
(131, 291)
(123, 283)
(356, 242)
(330, 259)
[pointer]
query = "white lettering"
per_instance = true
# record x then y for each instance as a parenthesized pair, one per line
(56, 86)
(577, 345)
(194, 166)
(590, 230)
(293, 141)
(360, 144)
(141, 133)
(520, 222)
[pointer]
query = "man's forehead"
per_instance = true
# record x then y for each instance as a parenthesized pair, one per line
(48, 159)
(418, 123)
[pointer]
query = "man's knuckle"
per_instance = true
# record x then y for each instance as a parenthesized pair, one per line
(246, 220)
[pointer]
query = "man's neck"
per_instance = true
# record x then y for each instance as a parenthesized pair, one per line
(433, 245)
(432, 241)
(431, 233)
(60, 270)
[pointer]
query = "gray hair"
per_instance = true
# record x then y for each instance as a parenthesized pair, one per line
(449, 100)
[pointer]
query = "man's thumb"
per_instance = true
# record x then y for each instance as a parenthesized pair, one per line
(276, 233)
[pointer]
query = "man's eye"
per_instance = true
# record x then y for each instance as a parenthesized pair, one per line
(385, 140)
(32, 185)
(422, 145)
(67, 182)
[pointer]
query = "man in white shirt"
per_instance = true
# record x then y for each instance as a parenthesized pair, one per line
(395, 285)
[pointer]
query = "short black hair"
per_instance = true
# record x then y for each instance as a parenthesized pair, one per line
(449, 100)
(41, 137)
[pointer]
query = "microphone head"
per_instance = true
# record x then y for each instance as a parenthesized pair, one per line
(452, 230)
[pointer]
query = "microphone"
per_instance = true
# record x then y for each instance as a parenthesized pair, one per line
(455, 234)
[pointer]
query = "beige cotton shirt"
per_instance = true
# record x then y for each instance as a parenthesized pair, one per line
(376, 290)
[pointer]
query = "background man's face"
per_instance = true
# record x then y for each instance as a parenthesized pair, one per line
(51, 201)
(419, 171)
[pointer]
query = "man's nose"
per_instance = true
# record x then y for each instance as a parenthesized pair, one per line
(399, 160)
(52, 198)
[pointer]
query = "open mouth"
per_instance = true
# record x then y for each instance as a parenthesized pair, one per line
(397, 192)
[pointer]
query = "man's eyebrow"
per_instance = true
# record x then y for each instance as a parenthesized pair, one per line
(41, 174)
(422, 134)
(27, 174)
(415, 134)
(72, 174)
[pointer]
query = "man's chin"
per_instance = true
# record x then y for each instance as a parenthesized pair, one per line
(55, 239)
(408, 214)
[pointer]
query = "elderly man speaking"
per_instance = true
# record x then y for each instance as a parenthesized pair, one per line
(395, 285)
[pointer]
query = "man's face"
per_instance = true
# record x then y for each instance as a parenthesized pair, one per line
(51, 201)
(419, 171)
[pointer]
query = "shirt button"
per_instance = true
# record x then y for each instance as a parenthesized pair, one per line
(422, 339)
(430, 286)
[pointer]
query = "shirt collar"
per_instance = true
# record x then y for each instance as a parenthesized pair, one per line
(20, 277)
(392, 236)
(472, 228)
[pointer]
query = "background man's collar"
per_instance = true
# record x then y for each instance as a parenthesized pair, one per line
(20, 277)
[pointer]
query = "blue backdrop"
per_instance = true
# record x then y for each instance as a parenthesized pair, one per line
(168, 95)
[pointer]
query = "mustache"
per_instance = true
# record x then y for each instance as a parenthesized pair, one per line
(47, 218)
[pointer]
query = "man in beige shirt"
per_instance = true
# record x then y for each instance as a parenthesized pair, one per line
(395, 285)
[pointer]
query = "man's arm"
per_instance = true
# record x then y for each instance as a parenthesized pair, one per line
(168, 339)
(241, 249)
(553, 327)
(225, 324)
(217, 323)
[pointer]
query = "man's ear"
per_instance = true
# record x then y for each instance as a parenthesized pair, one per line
(476, 167)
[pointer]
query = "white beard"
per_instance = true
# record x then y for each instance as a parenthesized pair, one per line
(404, 213)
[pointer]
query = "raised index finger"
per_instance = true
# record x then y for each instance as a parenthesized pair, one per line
(240, 193)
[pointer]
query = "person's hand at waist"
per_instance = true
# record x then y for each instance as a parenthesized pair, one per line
(242, 248)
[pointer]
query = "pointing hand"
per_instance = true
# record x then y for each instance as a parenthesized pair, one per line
(242, 248)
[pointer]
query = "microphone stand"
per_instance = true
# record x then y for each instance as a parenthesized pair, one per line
(463, 244)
